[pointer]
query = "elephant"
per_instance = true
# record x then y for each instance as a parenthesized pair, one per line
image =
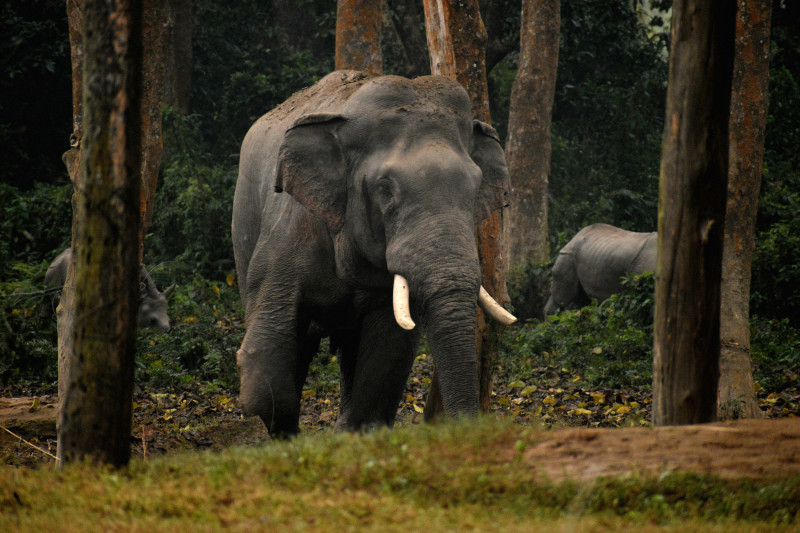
(354, 218)
(592, 264)
(152, 302)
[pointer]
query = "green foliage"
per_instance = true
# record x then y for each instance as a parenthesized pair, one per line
(35, 224)
(243, 68)
(28, 353)
(199, 350)
(775, 352)
(528, 287)
(609, 344)
(192, 215)
(776, 259)
(607, 118)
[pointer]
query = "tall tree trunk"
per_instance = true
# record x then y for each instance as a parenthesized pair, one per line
(157, 51)
(693, 186)
(456, 43)
(65, 312)
(749, 103)
(528, 144)
(95, 419)
(358, 35)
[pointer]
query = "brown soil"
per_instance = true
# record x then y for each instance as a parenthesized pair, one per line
(767, 448)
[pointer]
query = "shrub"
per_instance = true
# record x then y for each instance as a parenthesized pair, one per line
(610, 344)
(35, 224)
(28, 352)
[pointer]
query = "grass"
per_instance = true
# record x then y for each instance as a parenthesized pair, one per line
(450, 477)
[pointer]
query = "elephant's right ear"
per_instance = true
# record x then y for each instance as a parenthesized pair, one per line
(311, 167)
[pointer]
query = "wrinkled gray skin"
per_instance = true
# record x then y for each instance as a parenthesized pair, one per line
(592, 264)
(152, 302)
(379, 177)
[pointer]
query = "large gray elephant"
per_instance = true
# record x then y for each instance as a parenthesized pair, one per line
(152, 312)
(592, 264)
(353, 190)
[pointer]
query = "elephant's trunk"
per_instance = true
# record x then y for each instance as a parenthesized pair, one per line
(449, 324)
(443, 276)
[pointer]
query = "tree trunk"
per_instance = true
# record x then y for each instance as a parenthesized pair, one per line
(456, 44)
(528, 144)
(693, 185)
(157, 51)
(95, 420)
(65, 314)
(749, 103)
(358, 36)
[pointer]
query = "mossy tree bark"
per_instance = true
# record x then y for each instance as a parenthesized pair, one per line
(749, 103)
(693, 189)
(358, 35)
(95, 418)
(456, 44)
(528, 144)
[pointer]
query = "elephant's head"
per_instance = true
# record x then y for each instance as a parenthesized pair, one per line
(401, 177)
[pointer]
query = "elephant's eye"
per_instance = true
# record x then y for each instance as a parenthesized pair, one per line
(385, 187)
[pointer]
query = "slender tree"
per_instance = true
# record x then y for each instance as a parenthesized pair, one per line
(749, 102)
(95, 418)
(72, 159)
(528, 143)
(693, 186)
(358, 35)
(456, 43)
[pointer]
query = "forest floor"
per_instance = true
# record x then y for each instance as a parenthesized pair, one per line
(585, 433)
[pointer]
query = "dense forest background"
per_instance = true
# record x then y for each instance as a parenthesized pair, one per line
(248, 56)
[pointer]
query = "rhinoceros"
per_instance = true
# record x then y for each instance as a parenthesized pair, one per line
(591, 264)
(152, 302)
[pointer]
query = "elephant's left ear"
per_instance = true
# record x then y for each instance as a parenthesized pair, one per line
(487, 153)
(311, 167)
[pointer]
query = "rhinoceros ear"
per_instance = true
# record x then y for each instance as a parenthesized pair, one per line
(311, 167)
(488, 155)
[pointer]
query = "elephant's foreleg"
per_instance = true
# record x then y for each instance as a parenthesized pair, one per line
(271, 372)
(374, 375)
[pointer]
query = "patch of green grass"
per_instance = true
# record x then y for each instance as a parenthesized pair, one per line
(437, 478)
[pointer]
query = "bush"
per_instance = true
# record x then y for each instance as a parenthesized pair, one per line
(199, 350)
(28, 351)
(610, 344)
(775, 352)
(35, 224)
(192, 214)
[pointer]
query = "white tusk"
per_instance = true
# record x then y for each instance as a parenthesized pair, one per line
(400, 303)
(494, 309)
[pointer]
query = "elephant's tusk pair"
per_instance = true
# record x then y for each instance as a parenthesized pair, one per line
(494, 309)
(402, 314)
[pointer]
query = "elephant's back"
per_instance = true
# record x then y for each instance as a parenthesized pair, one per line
(605, 254)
